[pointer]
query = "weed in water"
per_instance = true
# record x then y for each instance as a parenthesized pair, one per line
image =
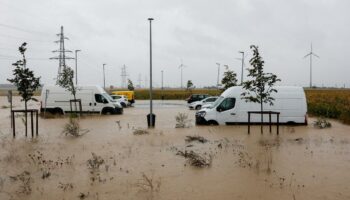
(148, 184)
(83, 195)
(94, 168)
(73, 127)
(140, 131)
(195, 159)
(322, 123)
(25, 181)
(118, 124)
(2, 182)
(200, 139)
(95, 162)
(65, 186)
(182, 121)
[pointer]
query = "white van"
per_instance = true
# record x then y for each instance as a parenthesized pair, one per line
(94, 99)
(230, 108)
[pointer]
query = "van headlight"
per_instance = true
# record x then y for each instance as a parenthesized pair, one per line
(201, 114)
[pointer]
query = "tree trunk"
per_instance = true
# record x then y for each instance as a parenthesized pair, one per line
(262, 116)
(75, 103)
(75, 98)
(25, 118)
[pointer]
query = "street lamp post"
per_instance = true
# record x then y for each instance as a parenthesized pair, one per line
(162, 85)
(150, 73)
(76, 67)
(242, 52)
(162, 79)
(104, 77)
(217, 84)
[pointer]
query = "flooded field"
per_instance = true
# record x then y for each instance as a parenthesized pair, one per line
(110, 161)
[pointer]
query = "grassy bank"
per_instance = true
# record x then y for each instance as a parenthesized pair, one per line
(331, 103)
(173, 94)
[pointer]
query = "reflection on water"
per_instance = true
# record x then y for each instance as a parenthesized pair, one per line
(161, 104)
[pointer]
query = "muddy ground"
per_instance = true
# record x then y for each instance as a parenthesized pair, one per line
(111, 162)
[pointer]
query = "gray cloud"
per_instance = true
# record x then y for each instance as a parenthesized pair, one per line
(199, 32)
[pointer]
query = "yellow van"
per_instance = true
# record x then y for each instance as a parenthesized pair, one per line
(129, 94)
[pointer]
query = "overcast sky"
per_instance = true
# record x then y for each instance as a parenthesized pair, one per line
(200, 32)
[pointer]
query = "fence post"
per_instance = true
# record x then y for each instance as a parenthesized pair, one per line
(248, 122)
(13, 124)
(31, 122)
(278, 123)
(270, 120)
(37, 123)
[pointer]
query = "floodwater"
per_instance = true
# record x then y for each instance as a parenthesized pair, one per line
(302, 162)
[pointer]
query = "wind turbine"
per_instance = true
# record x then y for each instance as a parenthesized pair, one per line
(181, 68)
(311, 54)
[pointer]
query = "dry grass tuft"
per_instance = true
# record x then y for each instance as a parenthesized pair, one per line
(195, 159)
(140, 131)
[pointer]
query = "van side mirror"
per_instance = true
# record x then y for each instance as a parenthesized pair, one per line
(219, 109)
(105, 101)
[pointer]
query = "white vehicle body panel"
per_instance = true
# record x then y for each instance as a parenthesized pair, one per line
(57, 97)
(289, 101)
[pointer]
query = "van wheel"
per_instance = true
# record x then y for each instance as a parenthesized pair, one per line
(57, 111)
(291, 123)
(213, 123)
(107, 111)
(198, 107)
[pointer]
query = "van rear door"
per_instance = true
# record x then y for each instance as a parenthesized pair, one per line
(87, 99)
(226, 111)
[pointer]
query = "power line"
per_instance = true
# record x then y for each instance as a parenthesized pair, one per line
(22, 38)
(23, 30)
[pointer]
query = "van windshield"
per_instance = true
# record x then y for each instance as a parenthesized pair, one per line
(109, 98)
(217, 102)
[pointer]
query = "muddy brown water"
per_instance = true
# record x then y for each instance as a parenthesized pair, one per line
(303, 162)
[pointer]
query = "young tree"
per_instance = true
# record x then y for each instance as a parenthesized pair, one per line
(130, 85)
(189, 85)
(230, 78)
(260, 87)
(25, 80)
(65, 80)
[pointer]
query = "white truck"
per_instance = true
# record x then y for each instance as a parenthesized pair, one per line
(230, 108)
(94, 99)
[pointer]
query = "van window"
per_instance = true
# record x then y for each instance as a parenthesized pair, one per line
(227, 104)
(99, 98)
